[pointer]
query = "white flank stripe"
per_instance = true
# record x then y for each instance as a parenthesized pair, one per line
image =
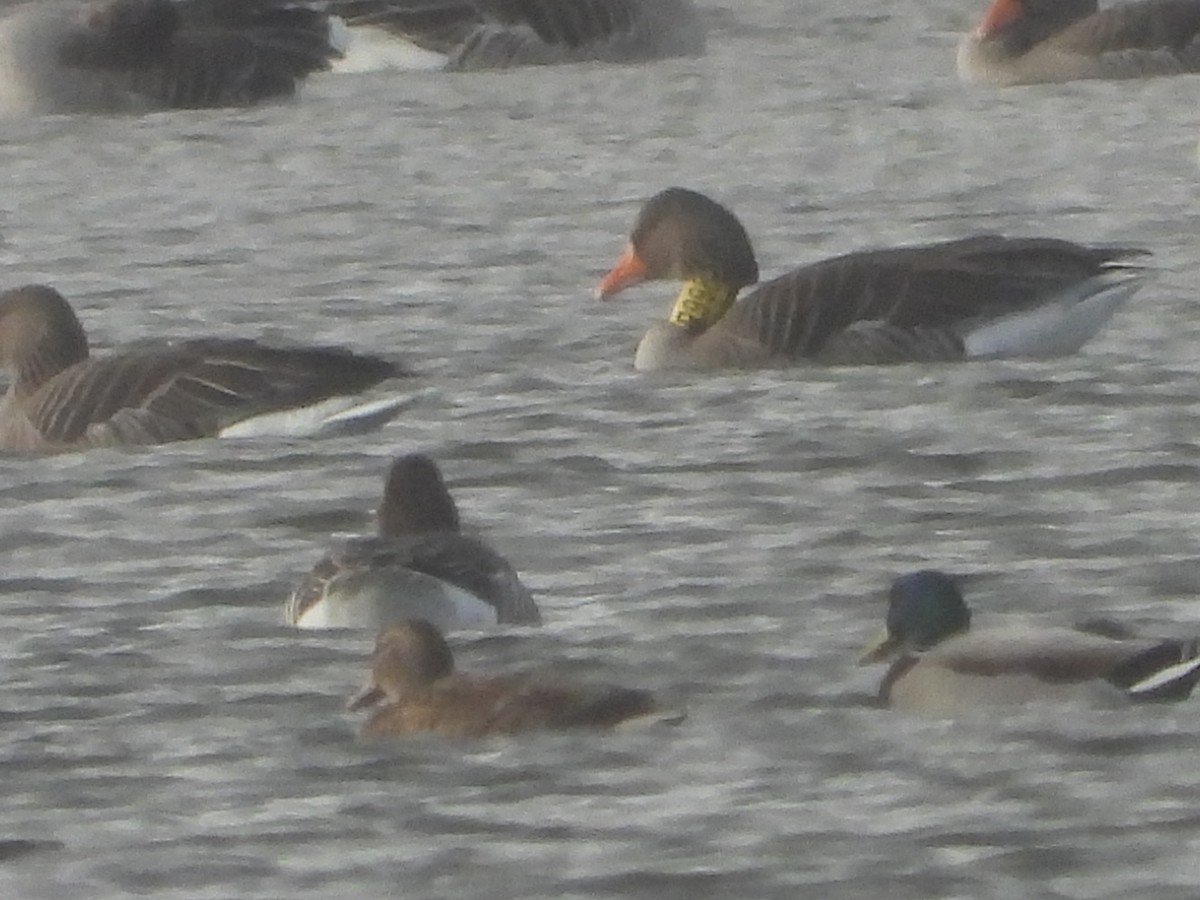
(334, 415)
(1162, 677)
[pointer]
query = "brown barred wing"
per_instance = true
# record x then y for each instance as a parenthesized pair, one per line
(1169, 25)
(926, 290)
(193, 389)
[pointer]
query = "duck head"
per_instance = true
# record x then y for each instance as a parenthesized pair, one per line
(924, 609)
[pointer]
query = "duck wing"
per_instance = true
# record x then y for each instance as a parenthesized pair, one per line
(472, 565)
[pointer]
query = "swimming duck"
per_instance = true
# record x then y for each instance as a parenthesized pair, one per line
(137, 55)
(420, 565)
(499, 34)
(62, 398)
(978, 297)
(412, 672)
(1032, 41)
(943, 666)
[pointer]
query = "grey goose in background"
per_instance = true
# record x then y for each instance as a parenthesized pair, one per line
(499, 34)
(1034, 41)
(63, 56)
(979, 297)
(419, 566)
(61, 398)
(417, 690)
(943, 666)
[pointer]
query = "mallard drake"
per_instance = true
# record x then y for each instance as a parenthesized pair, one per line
(413, 674)
(980, 297)
(942, 665)
(1032, 41)
(134, 55)
(62, 398)
(419, 565)
(501, 34)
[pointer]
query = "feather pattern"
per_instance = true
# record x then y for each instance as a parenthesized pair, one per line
(922, 291)
(1031, 41)
(118, 55)
(489, 34)
(369, 581)
(154, 393)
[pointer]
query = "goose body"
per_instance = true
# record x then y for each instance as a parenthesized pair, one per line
(417, 690)
(420, 565)
(64, 56)
(943, 666)
(986, 296)
(499, 34)
(62, 398)
(1033, 41)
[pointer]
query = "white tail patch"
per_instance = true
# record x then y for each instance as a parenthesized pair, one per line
(368, 49)
(1059, 327)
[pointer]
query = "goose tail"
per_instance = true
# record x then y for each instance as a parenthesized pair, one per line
(1063, 324)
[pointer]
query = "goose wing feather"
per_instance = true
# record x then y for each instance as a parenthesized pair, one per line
(193, 388)
(924, 291)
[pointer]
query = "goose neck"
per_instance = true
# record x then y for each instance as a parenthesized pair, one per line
(702, 302)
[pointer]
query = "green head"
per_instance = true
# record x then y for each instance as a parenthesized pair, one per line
(924, 608)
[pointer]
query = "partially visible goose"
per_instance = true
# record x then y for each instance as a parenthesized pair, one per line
(500, 34)
(984, 296)
(420, 565)
(1032, 41)
(412, 672)
(136, 55)
(943, 666)
(61, 398)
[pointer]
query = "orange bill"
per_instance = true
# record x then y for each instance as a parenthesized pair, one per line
(1000, 14)
(629, 270)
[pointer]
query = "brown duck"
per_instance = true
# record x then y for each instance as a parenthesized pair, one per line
(62, 398)
(1032, 41)
(979, 297)
(413, 674)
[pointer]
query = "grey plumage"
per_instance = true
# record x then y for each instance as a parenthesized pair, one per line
(136, 55)
(498, 34)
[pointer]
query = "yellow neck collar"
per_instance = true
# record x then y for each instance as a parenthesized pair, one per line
(702, 302)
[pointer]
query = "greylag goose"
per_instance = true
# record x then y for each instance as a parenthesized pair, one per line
(984, 296)
(413, 675)
(499, 34)
(1033, 41)
(139, 55)
(419, 565)
(61, 398)
(943, 666)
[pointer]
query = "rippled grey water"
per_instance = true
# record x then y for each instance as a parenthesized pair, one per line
(726, 538)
